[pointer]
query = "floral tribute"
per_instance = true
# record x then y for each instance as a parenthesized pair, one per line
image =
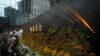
(63, 42)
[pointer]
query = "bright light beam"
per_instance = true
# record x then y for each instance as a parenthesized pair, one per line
(79, 17)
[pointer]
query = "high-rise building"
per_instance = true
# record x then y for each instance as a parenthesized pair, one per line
(11, 14)
(3, 23)
(39, 7)
(24, 7)
(33, 8)
(29, 9)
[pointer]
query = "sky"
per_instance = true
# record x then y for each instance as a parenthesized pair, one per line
(6, 3)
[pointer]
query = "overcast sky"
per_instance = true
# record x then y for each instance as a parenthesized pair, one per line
(6, 3)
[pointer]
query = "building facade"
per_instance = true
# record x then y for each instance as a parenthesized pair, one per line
(20, 20)
(30, 9)
(3, 23)
(24, 7)
(39, 7)
(11, 14)
(27, 10)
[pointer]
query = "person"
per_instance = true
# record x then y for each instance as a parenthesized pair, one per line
(10, 33)
(20, 32)
(11, 46)
(4, 47)
(13, 43)
(1, 42)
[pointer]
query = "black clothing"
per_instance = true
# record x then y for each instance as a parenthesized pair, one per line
(4, 47)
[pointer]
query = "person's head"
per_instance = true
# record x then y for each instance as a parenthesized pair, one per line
(14, 38)
(13, 33)
(5, 34)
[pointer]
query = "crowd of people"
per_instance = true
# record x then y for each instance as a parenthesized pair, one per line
(9, 43)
